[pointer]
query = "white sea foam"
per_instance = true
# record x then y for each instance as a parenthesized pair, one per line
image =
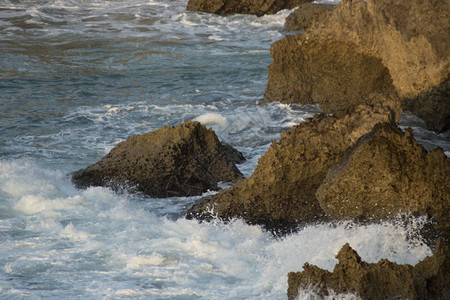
(81, 76)
(115, 238)
(212, 119)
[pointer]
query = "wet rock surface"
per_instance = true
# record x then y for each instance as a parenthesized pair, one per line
(280, 194)
(184, 161)
(387, 173)
(383, 280)
(306, 15)
(406, 41)
(254, 7)
(432, 106)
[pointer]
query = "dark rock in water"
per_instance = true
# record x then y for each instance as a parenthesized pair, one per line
(184, 161)
(253, 7)
(429, 279)
(432, 106)
(306, 15)
(404, 44)
(386, 173)
(232, 154)
(280, 194)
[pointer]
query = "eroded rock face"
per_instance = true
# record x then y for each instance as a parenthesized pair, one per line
(388, 172)
(332, 73)
(184, 161)
(254, 7)
(410, 39)
(306, 15)
(280, 194)
(383, 280)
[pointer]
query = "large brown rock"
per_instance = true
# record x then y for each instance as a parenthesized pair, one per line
(306, 15)
(383, 280)
(280, 194)
(184, 161)
(410, 40)
(332, 73)
(386, 173)
(254, 7)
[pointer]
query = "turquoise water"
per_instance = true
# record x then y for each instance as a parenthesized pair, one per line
(77, 77)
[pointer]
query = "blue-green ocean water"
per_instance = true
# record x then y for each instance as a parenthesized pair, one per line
(77, 77)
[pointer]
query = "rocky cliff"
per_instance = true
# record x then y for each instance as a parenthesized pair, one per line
(364, 47)
(280, 194)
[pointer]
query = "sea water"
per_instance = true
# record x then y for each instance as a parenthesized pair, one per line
(79, 76)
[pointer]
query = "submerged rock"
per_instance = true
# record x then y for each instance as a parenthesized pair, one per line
(383, 280)
(253, 7)
(280, 194)
(364, 47)
(387, 173)
(306, 15)
(184, 161)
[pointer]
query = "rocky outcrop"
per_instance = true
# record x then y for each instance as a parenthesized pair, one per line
(329, 72)
(386, 173)
(184, 161)
(433, 106)
(383, 280)
(254, 7)
(306, 15)
(407, 42)
(280, 194)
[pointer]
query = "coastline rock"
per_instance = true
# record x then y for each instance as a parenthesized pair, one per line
(184, 161)
(253, 7)
(432, 106)
(410, 39)
(280, 194)
(329, 72)
(306, 15)
(387, 173)
(383, 280)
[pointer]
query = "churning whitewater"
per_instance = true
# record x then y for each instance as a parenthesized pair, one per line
(79, 76)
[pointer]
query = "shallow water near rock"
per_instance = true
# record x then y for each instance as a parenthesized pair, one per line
(77, 77)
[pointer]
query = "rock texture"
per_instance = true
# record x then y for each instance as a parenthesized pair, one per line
(386, 173)
(254, 7)
(383, 280)
(433, 106)
(406, 41)
(280, 194)
(184, 161)
(332, 73)
(306, 15)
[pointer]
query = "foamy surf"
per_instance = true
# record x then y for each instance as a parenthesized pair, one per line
(121, 248)
(77, 77)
